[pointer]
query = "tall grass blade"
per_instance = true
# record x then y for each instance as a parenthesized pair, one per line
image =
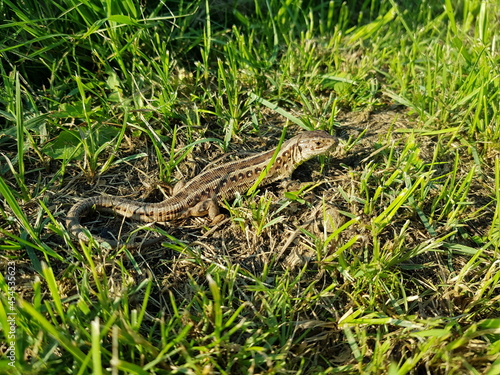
(279, 110)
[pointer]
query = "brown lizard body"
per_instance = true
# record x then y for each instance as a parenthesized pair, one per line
(200, 196)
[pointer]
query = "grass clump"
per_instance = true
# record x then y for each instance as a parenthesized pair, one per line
(387, 262)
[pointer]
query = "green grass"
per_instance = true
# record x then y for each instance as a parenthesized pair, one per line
(388, 262)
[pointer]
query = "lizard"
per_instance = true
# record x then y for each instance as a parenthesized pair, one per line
(201, 195)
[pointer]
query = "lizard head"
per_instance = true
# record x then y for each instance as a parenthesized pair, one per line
(312, 143)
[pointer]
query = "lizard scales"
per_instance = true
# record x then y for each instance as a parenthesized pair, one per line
(201, 194)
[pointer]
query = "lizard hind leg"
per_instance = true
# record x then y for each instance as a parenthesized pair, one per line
(207, 207)
(178, 187)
